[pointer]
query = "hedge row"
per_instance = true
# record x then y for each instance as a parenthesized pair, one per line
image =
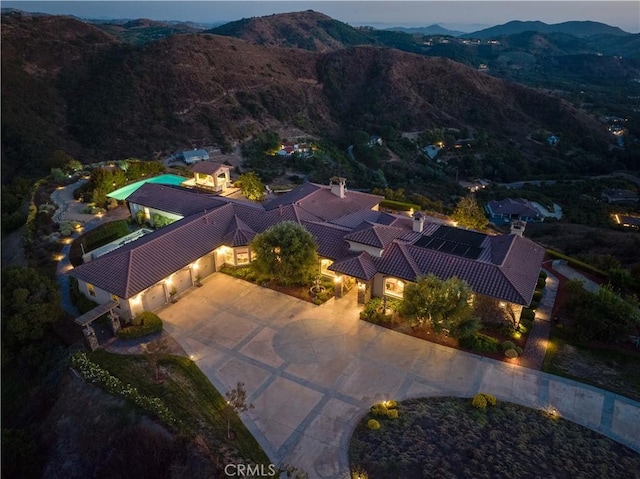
(143, 324)
(577, 263)
(399, 205)
(96, 375)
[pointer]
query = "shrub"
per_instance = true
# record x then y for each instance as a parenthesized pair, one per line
(391, 404)
(511, 353)
(480, 342)
(479, 401)
(534, 305)
(379, 409)
(373, 424)
(491, 399)
(145, 323)
(507, 345)
(392, 414)
(537, 296)
(541, 283)
(518, 350)
(542, 275)
(373, 312)
(528, 314)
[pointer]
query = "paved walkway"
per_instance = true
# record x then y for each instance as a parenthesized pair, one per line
(568, 272)
(536, 347)
(313, 371)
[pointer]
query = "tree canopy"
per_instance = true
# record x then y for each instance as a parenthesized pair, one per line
(444, 304)
(251, 186)
(602, 315)
(469, 215)
(286, 253)
(30, 305)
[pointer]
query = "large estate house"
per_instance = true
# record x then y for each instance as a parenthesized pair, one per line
(358, 245)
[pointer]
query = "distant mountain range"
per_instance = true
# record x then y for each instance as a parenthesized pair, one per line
(430, 30)
(577, 29)
(86, 89)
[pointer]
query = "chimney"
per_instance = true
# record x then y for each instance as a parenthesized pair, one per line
(418, 222)
(337, 186)
(517, 227)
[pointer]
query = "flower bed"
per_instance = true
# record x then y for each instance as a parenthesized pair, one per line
(96, 375)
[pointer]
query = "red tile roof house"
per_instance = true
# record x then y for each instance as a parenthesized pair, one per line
(357, 245)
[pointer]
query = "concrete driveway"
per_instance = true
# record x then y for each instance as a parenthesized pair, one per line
(313, 371)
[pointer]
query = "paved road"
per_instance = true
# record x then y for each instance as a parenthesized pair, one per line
(313, 371)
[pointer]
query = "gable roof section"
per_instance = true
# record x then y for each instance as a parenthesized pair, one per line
(238, 233)
(521, 266)
(360, 266)
(136, 266)
(378, 236)
(321, 202)
(208, 167)
(174, 199)
(329, 239)
(356, 218)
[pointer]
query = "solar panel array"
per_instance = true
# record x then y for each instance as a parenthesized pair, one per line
(459, 242)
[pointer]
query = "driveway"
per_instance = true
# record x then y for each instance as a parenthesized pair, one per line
(313, 371)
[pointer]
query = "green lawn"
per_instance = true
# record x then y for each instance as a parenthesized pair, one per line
(186, 391)
(449, 438)
(611, 369)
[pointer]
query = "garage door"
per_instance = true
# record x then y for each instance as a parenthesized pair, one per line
(206, 266)
(153, 298)
(182, 280)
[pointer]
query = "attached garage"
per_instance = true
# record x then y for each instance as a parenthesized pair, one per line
(206, 266)
(154, 298)
(181, 280)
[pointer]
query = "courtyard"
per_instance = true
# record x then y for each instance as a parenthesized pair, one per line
(313, 371)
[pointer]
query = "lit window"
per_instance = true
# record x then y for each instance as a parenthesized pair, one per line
(242, 256)
(324, 267)
(91, 290)
(394, 287)
(228, 256)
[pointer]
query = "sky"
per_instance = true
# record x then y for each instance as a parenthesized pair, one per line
(465, 15)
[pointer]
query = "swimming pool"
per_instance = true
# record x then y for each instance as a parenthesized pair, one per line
(122, 193)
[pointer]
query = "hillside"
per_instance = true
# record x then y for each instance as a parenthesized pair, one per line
(576, 29)
(98, 98)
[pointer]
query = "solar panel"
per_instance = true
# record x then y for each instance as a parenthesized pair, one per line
(455, 241)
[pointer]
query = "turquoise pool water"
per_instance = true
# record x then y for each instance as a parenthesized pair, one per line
(124, 192)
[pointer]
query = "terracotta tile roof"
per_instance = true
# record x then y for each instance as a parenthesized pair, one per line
(321, 202)
(238, 233)
(174, 199)
(360, 266)
(378, 236)
(208, 167)
(329, 239)
(356, 218)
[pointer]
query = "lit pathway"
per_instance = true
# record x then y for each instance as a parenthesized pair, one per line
(312, 372)
(536, 347)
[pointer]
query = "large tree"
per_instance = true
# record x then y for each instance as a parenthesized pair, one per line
(469, 215)
(251, 186)
(30, 305)
(442, 303)
(286, 253)
(602, 315)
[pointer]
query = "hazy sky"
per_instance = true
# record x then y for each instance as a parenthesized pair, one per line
(464, 15)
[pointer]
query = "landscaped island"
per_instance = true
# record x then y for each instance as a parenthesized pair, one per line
(451, 438)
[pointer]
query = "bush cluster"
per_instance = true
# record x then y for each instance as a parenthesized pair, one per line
(482, 400)
(373, 424)
(143, 324)
(96, 375)
(480, 342)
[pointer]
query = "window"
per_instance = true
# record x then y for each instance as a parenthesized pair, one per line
(228, 256)
(394, 287)
(242, 256)
(324, 267)
(91, 290)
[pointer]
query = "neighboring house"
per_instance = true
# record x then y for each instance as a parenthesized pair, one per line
(619, 196)
(357, 245)
(553, 140)
(193, 156)
(477, 184)
(211, 175)
(431, 151)
(629, 221)
(505, 211)
(288, 149)
(374, 140)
